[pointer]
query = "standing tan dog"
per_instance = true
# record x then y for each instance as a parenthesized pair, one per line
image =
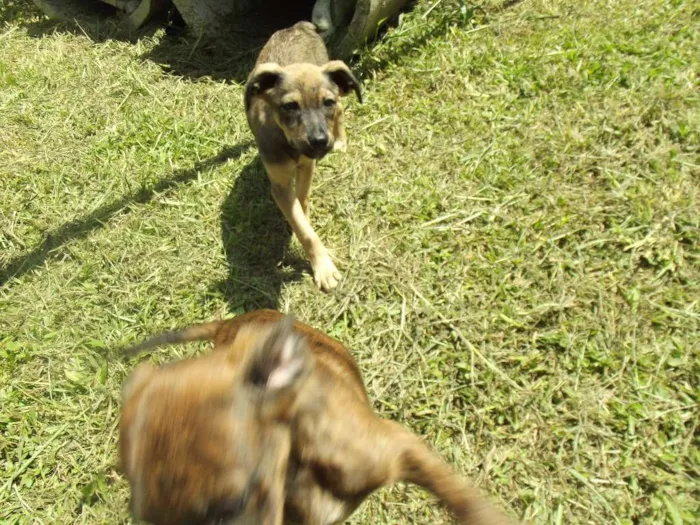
(292, 102)
(273, 427)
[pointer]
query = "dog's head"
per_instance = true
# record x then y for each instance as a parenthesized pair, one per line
(304, 99)
(206, 441)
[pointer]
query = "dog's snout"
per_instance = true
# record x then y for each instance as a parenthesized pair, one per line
(318, 140)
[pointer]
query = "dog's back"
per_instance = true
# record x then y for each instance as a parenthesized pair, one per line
(294, 45)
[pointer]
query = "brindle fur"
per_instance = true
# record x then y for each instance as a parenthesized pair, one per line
(292, 102)
(273, 427)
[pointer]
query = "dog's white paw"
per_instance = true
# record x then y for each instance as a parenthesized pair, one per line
(326, 275)
(340, 145)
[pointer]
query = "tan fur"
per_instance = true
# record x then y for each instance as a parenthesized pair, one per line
(294, 110)
(212, 440)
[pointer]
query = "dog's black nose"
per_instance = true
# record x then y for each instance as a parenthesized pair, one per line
(318, 140)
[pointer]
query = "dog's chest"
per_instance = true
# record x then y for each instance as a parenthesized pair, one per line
(310, 500)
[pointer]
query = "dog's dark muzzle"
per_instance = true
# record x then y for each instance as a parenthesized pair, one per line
(317, 147)
(317, 143)
(315, 153)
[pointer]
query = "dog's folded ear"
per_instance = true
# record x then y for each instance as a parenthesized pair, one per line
(340, 75)
(263, 78)
(278, 368)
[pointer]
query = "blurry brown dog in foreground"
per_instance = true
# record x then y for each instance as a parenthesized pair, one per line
(292, 102)
(273, 427)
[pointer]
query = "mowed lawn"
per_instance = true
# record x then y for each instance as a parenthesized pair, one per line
(517, 220)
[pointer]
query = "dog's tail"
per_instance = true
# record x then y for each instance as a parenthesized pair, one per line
(416, 463)
(198, 332)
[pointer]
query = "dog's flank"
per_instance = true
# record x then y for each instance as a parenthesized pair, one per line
(293, 106)
(282, 411)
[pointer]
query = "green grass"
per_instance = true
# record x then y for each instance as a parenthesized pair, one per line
(517, 220)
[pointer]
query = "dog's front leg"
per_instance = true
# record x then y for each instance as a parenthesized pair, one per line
(305, 173)
(326, 275)
(341, 141)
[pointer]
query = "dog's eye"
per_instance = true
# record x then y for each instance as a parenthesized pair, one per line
(290, 106)
(329, 102)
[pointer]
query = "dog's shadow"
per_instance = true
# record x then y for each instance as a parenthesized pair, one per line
(256, 238)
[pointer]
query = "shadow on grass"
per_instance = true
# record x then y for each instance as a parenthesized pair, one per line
(230, 57)
(255, 237)
(94, 19)
(411, 38)
(227, 58)
(51, 247)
